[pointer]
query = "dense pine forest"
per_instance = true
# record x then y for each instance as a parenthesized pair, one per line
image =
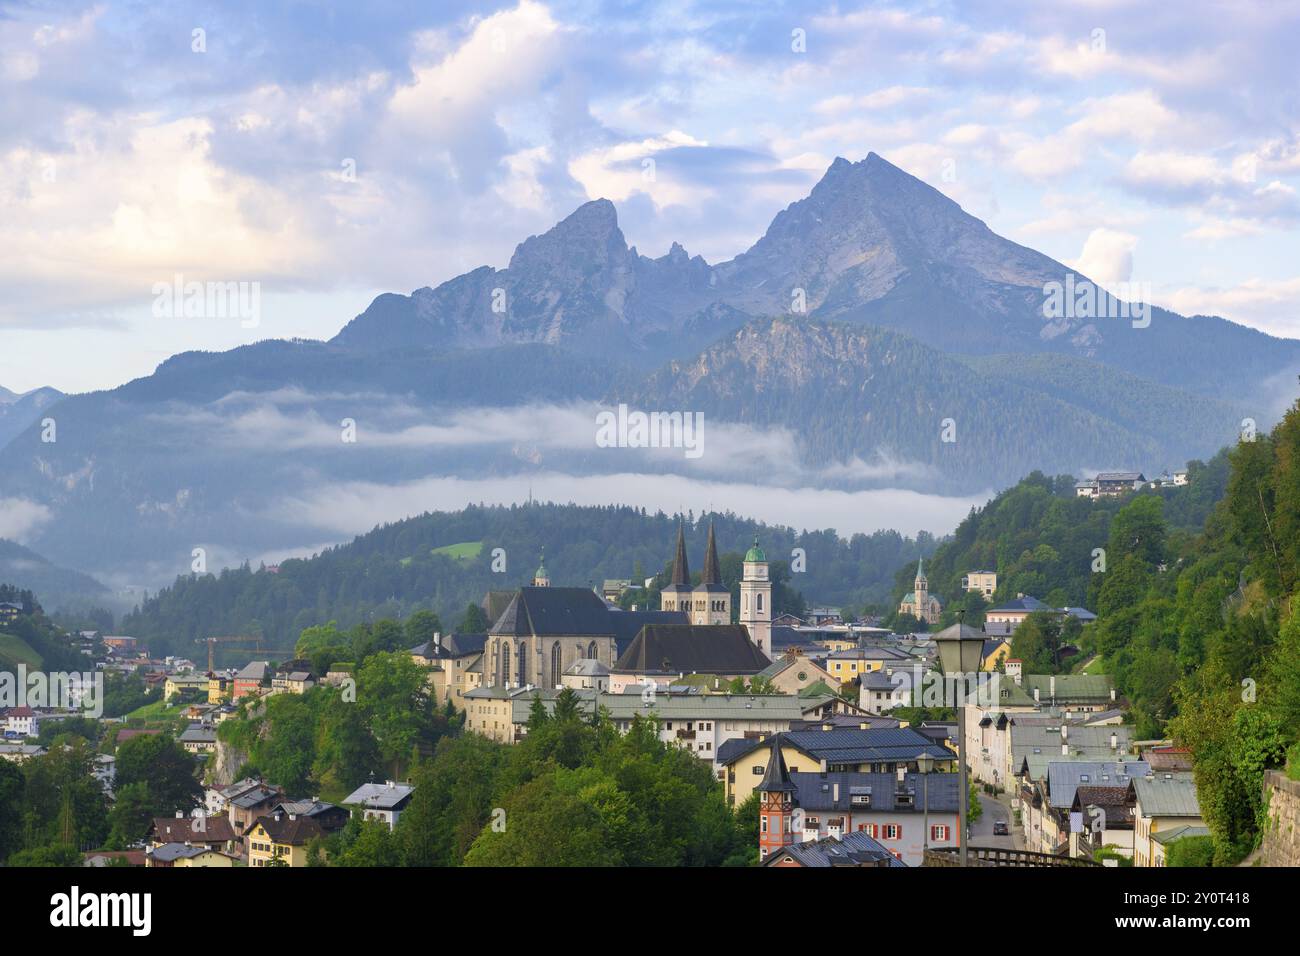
(443, 561)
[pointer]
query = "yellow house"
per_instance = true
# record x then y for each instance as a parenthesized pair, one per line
(176, 683)
(280, 840)
(1165, 808)
(845, 665)
(742, 773)
(839, 643)
(218, 688)
(208, 858)
(985, 582)
(452, 664)
(189, 855)
(489, 712)
(995, 654)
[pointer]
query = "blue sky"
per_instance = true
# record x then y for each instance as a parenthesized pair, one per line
(1154, 143)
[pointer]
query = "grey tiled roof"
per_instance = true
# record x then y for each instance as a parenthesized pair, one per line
(1167, 795)
(816, 792)
(854, 849)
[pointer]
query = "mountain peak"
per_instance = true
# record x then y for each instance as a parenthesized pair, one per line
(589, 232)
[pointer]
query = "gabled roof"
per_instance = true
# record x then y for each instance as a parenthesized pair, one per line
(689, 648)
(254, 797)
(288, 829)
(1167, 795)
(381, 796)
(198, 734)
(1094, 688)
(835, 791)
(1064, 777)
(854, 849)
(1022, 602)
(587, 667)
(254, 670)
(847, 746)
(1114, 802)
(555, 611)
(171, 852)
(1173, 834)
(214, 829)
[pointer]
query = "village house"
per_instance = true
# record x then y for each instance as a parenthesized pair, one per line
(450, 660)
(199, 738)
(983, 582)
(793, 671)
(187, 855)
(280, 839)
(251, 679)
(214, 832)
(20, 722)
(1045, 802)
(1165, 809)
(381, 801)
(1102, 818)
(743, 762)
(698, 723)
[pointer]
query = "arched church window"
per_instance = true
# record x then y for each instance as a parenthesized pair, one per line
(556, 669)
(760, 602)
(523, 664)
(591, 650)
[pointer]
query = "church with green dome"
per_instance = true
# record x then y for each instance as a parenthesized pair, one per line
(919, 602)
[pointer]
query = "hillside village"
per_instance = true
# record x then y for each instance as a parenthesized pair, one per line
(815, 722)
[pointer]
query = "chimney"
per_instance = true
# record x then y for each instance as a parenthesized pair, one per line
(180, 814)
(437, 638)
(1114, 740)
(1065, 731)
(1036, 700)
(1051, 685)
(1065, 749)
(825, 765)
(835, 793)
(1112, 693)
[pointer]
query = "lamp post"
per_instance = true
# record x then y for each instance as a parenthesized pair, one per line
(960, 653)
(925, 764)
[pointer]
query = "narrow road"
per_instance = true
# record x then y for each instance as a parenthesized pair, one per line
(982, 829)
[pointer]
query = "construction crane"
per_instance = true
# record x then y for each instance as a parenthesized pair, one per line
(246, 640)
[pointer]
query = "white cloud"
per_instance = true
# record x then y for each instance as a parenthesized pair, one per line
(1107, 257)
(1271, 305)
(19, 517)
(351, 508)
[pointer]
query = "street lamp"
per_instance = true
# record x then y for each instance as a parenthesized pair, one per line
(961, 649)
(925, 764)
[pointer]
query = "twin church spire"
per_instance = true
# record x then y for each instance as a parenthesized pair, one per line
(709, 602)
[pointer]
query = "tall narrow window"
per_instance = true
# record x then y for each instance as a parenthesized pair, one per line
(556, 669)
(522, 673)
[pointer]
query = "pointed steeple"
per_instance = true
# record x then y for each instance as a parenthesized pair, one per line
(681, 571)
(777, 778)
(712, 573)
